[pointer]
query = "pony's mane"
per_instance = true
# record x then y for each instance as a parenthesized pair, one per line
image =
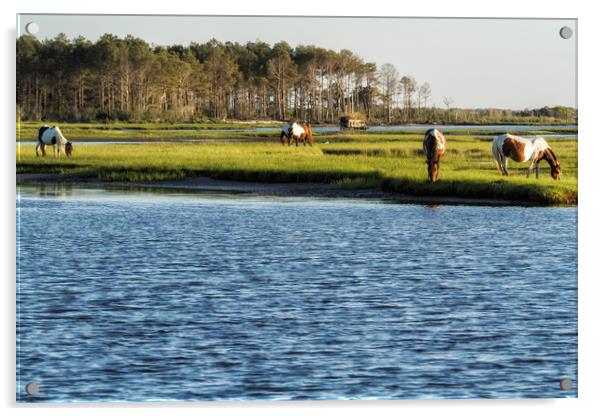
(549, 154)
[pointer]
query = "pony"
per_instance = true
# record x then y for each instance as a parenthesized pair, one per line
(53, 135)
(433, 145)
(521, 149)
(297, 132)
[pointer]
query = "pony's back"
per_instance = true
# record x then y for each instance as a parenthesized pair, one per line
(42, 130)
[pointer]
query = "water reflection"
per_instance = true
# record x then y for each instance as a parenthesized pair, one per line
(54, 190)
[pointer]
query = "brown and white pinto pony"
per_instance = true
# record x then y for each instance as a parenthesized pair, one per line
(53, 136)
(434, 145)
(520, 149)
(297, 132)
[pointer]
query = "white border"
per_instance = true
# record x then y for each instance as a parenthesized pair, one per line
(589, 204)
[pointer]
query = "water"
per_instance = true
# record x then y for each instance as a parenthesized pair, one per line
(495, 127)
(93, 143)
(144, 297)
(402, 127)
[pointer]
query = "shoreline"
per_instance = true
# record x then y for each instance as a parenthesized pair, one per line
(204, 184)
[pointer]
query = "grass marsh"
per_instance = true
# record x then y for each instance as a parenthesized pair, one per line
(368, 161)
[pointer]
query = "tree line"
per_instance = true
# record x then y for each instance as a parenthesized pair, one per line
(127, 79)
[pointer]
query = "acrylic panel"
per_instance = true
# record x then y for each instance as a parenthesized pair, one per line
(217, 208)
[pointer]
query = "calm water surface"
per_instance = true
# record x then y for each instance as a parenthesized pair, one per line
(405, 127)
(410, 127)
(142, 296)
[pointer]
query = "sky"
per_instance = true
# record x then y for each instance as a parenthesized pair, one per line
(479, 63)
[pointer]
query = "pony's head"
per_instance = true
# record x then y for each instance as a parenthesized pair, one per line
(433, 169)
(309, 135)
(69, 148)
(556, 172)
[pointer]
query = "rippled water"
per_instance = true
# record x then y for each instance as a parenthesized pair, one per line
(141, 296)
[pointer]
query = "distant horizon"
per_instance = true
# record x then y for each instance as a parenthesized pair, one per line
(467, 51)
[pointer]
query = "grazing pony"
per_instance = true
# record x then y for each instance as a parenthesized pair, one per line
(434, 145)
(521, 149)
(297, 132)
(53, 135)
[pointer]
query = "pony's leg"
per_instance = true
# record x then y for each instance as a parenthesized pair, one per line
(529, 170)
(37, 148)
(497, 165)
(505, 165)
(532, 166)
(537, 170)
(432, 170)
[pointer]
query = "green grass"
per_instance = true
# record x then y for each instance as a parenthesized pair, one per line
(467, 169)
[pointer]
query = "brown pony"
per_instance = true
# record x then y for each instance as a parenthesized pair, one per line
(298, 133)
(522, 149)
(434, 146)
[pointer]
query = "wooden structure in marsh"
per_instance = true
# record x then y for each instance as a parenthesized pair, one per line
(352, 121)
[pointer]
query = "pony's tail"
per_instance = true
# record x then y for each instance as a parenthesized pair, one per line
(496, 157)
